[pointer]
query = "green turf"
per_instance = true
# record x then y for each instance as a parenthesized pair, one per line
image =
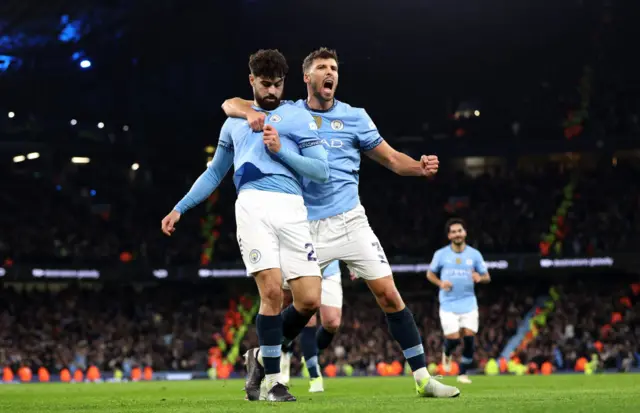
(567, 393)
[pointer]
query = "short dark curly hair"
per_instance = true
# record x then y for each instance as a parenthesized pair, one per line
(453, 221)
(321, 53)
(268, 63)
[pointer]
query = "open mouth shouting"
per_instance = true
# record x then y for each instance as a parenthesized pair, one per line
(327, 86)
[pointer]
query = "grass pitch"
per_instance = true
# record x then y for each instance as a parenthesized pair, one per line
(560, 393)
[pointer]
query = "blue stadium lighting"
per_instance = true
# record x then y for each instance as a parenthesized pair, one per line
(93, 192)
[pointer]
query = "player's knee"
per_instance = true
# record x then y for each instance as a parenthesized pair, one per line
(271, 296)
(309, 303)
(331, 324)
(390, 300)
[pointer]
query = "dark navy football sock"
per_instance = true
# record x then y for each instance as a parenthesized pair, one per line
(467, 354)
(324, 338)
(310, 350)
(403, 329)
(269, 328)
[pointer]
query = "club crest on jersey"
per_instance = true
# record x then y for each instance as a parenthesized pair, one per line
(458, 261)
(318, 120)
(337, 125)
(254, 256)
(275, 119)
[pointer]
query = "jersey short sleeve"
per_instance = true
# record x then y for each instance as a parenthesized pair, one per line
(436, 263)
(478, 263)
(367, 132)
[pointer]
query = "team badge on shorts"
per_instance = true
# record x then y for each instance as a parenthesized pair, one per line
(337, 125)
(254, 256)
(275, 119)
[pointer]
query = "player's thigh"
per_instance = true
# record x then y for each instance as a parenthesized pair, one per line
(450, 324)
(306, 292)
(469, 323)
(259, 245)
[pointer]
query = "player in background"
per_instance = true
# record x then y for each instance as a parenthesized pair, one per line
(460, 267)
(272, 228)
(339, 225)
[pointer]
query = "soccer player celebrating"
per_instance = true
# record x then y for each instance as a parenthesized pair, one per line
(460, 267)
(272, 228)
(339, 225)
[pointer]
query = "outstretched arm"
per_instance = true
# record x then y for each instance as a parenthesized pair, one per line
(208, 181)
(401, 163)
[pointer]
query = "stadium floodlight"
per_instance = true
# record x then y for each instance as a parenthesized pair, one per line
(125, 128)
(135, 166)
(19, 158)
(477, 113)
(100, 125)
(80, 160)
(33, 155)
(73, 122)
(11, 115)
(85, 64)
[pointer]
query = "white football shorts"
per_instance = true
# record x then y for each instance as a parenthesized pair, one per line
(273, 232)
(349, 238)
(454, 322)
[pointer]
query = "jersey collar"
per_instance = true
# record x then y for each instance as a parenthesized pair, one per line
(306, 106)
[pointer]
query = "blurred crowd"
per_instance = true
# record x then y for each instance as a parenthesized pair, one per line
(591, 318)
(174, 327)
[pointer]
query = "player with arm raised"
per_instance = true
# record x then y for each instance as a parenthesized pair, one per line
(460, 267)
(339, 225)
(272, 228)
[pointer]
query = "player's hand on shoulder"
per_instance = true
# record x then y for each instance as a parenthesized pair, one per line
(169, 222)
(271, 138)
(429, 164)
(476, 277)
(446, 285)
(256, 120)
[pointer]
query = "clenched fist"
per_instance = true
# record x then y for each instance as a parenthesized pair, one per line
(429, 164)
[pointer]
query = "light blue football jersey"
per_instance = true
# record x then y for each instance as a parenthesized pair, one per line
(457, 267)
(252, 161)
(345, 132)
